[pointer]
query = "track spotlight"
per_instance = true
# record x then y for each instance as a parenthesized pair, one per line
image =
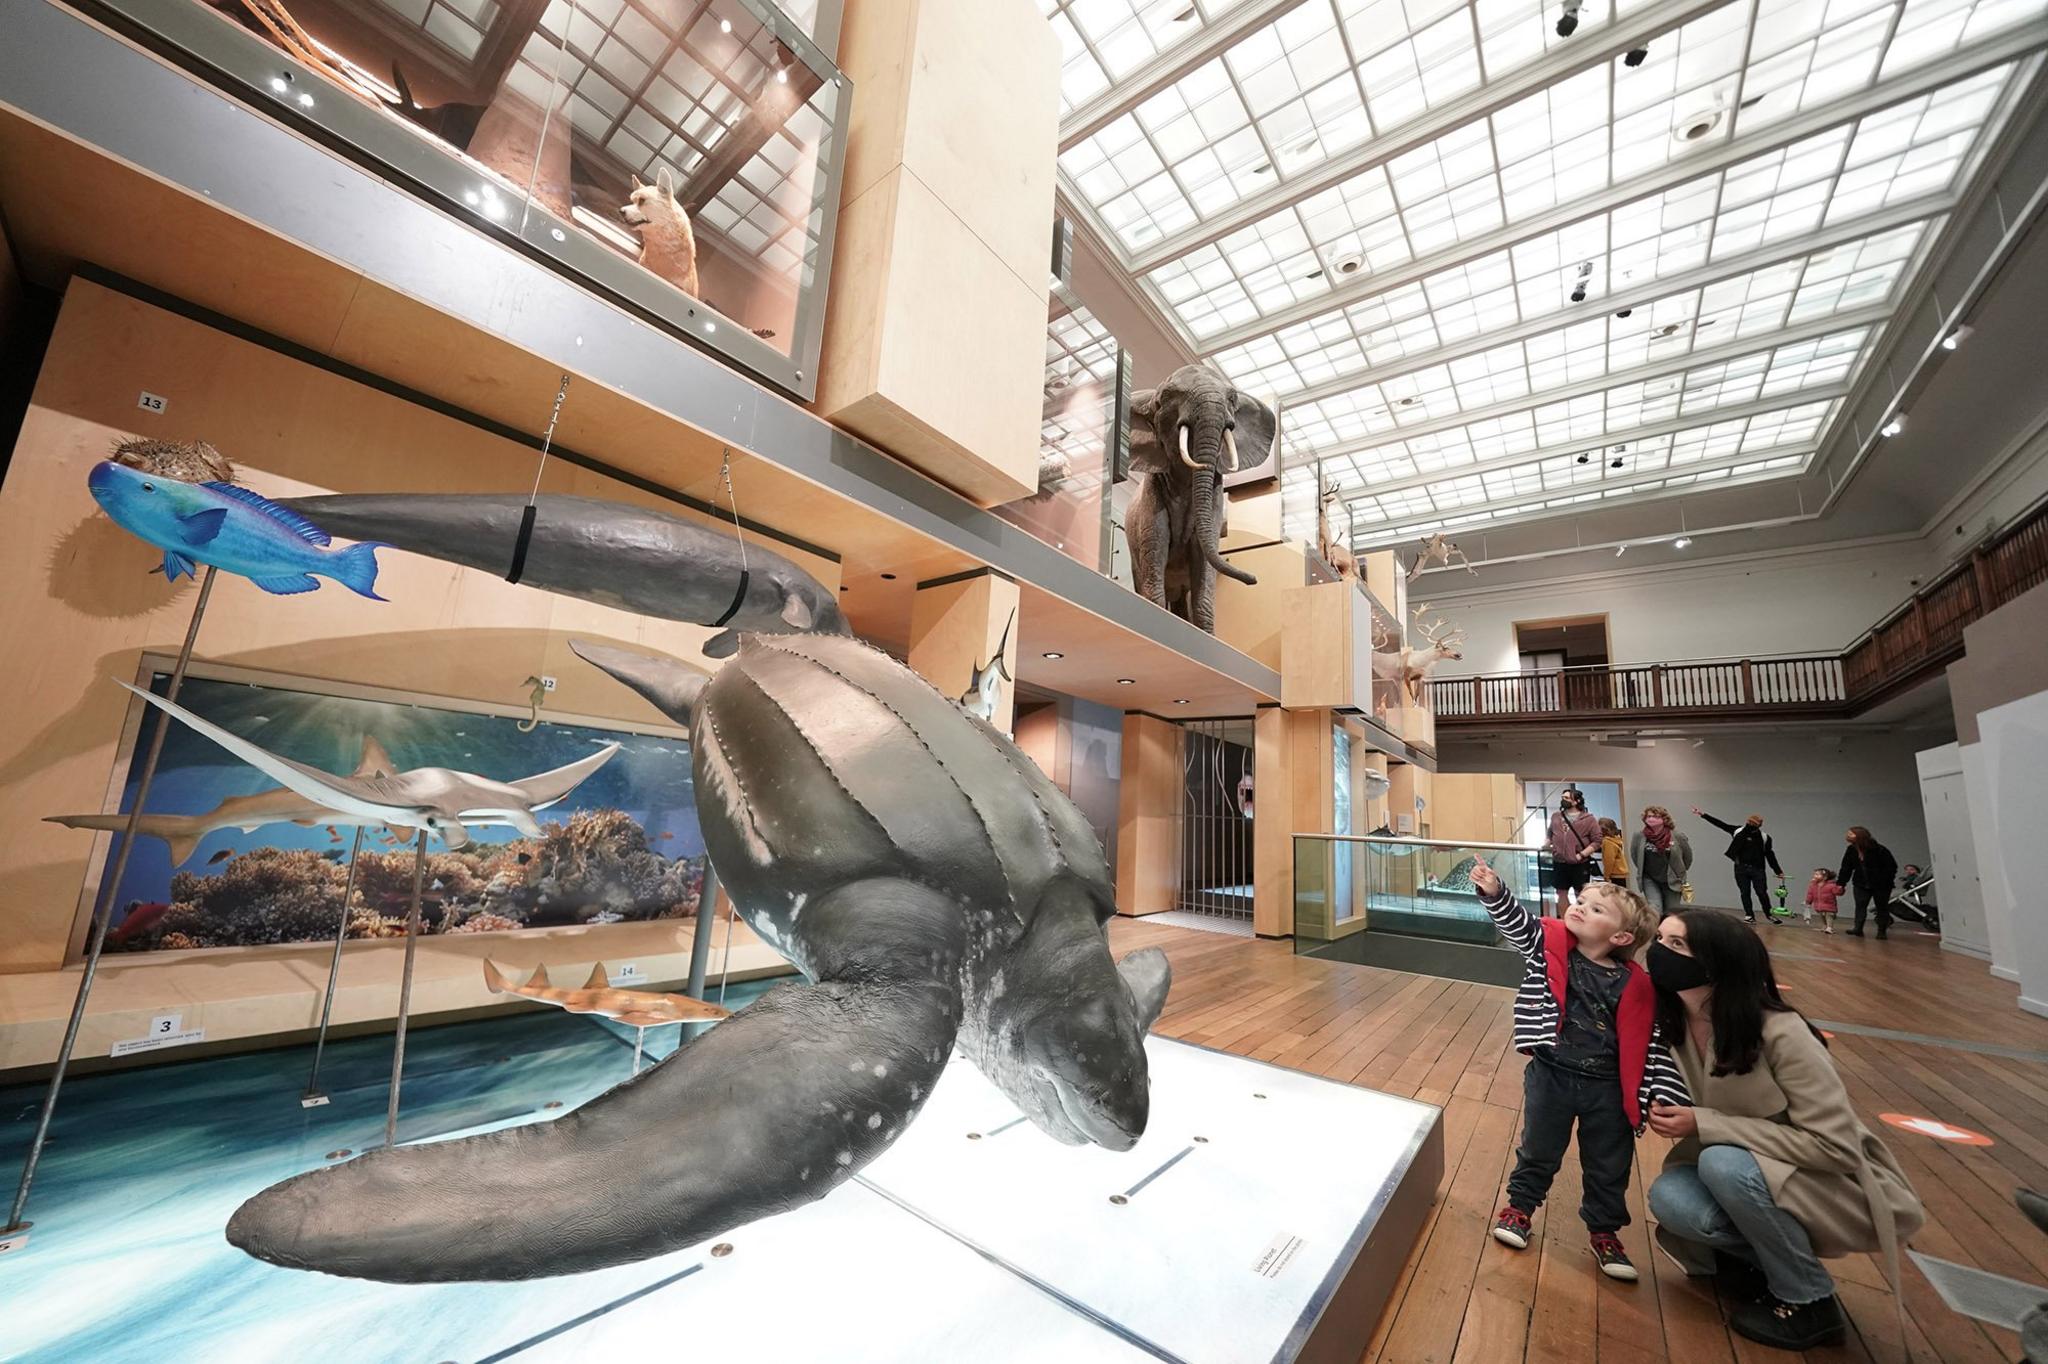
(1956, 337)
(1585, 459)
(1568, 21)
(1620, 550)
(1636, 56)
(1624, 312)
(1894, 426)
(1578, 293)
(1682, 542)
(1614, 463)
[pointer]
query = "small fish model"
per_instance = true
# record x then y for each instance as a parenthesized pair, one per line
(438, 799)
(229, 527)
(223, 855)
(142, 916)
(985, 688)
(635, 1008)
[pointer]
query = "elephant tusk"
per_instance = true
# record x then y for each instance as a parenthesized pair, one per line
(1230, 444)
(1185, 457)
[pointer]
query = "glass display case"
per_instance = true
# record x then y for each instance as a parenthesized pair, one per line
(1083, 439)
(1417, 888)
(682, 156)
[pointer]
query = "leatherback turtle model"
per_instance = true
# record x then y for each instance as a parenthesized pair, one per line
(936, 888)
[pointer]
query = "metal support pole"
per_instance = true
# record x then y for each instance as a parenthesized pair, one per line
(700, 943)
(639, 1045)
(15, 1234)
(314, 1095)
(412, 940)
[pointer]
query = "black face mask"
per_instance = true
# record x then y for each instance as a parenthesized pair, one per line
(1674, 971)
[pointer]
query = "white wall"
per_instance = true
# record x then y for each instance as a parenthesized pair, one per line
(1992, 889)
(1952, 843)
(2015, 751)
(1808, 792)
(1806, 602)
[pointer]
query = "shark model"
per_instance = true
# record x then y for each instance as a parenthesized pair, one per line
(246, 814)
(439, 799)
(635, 1008)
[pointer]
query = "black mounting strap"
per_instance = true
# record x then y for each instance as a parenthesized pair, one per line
(738, 599)
(518, 569)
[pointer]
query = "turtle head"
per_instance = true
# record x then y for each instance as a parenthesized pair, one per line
(1069, 1025)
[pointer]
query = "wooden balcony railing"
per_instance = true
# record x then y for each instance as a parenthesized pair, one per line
(1923, 635)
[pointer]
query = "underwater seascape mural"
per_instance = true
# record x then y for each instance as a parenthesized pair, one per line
(622, 845)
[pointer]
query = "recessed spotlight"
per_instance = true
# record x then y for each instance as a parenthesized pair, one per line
(1350, 265)
(1894, 426)
(1263, 168)
(1127, 681)
(1682, 542)
(1407, 402)
(845, 589)
(1636, 56)
(725, 25)
(1668, 329)
(1050, 654)
(1956, 337)
(1624, 312)
(888, 577)
(1316, 273)
(1180, 700)
(782, 74)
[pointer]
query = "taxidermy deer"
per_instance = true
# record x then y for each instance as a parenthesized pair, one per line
(1438, 548)
(668, 247)
(1412, 667)
(1337, 555)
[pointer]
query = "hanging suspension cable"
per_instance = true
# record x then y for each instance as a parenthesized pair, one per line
(526, 518)
(732, 500)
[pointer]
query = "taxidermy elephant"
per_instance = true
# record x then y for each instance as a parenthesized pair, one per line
(1185, 436)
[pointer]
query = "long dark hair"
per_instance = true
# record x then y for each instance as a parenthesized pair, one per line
(1860, 836)
(1745, 989)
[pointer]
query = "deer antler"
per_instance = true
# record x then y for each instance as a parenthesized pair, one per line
(1381, 635)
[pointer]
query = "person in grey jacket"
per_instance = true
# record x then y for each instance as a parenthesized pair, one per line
(1662, 857)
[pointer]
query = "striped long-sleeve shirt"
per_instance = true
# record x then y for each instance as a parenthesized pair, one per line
(1648, 1074)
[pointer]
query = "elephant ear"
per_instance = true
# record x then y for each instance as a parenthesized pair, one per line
(1148, 456)
(1256, 429)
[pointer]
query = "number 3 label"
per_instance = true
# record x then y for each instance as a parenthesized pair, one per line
(163, 1025)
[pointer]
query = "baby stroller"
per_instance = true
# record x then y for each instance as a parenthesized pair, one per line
(1915, 902)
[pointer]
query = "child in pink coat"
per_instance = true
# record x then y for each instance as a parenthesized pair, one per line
(1821, 894)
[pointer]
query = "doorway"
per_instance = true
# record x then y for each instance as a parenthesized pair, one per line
(1605, 799)
(1217, 805)
(1563, 662)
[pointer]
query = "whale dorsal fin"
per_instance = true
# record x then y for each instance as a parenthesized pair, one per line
(375, 762)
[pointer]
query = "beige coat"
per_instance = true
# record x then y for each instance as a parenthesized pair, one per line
(1792, 1113)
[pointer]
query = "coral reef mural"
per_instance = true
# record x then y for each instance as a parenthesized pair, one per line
(624, 845)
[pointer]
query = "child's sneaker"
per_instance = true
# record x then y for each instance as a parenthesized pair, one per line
(1614, 1261)
(1511, 1228)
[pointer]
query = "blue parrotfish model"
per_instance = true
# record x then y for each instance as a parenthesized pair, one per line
(231, 528)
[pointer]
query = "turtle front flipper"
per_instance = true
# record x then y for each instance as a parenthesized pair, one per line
(776, 1106)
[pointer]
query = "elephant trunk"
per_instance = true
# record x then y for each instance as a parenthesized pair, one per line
(1208, 486)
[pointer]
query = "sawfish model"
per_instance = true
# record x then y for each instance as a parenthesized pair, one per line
(933, 884)
(246, 814)
(634, 1008)
(439, 799)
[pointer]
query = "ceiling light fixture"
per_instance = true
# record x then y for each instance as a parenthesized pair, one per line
(725, 25)
(1568, 22)
(1894, 426)
(1180, 700)
(1127, 681)
(1956, 337)
(1636, 56)
(1050, 654)
(1620, 550)
(1615, 463)
(1585, 458)
(1682, 542)
(782, 74)
(888, 577)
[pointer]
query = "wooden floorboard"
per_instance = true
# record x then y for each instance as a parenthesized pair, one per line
(1461, 1298)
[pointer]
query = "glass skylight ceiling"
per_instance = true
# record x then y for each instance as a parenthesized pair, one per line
(1379, 212)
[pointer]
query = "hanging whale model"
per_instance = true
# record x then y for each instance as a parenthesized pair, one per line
(226, 525)
(931, 882)
(439, 799)
(604, 552)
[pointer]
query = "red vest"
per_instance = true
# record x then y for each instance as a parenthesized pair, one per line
(1635, 1019)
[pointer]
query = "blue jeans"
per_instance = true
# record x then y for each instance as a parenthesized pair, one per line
(1724, 1202)
(1663, 899)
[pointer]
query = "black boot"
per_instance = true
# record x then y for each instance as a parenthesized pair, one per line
(1790, 1326)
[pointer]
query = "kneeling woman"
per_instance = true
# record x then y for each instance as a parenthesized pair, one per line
(1772, 1172)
